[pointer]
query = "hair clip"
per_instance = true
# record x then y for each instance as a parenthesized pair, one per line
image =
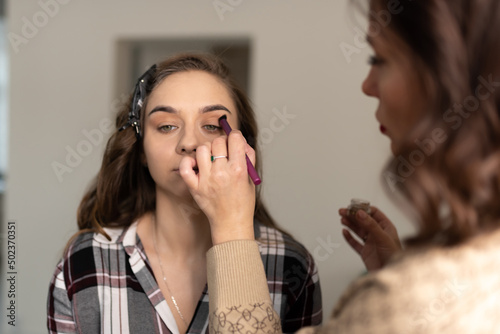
(134, 115)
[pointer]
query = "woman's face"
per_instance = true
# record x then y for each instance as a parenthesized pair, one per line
(393, 79)
(181, 114)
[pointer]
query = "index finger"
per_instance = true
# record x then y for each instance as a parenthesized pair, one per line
(237, 147)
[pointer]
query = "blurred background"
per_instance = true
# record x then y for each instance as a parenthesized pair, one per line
(66, 65)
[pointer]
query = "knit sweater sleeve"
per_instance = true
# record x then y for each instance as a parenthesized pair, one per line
(239, 295)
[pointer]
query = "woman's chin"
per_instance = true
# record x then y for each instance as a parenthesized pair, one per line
(394, 149)
(180, 191)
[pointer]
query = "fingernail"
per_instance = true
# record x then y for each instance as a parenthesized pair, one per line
(362, 214)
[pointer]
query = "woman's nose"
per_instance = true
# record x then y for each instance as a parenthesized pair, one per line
(188, 142)
(369, 86)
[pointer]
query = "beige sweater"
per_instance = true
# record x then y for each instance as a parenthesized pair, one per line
(437, 290)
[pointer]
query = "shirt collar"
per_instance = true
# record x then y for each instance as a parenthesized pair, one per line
(127, 236)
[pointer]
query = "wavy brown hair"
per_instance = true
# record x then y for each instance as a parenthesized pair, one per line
(124, 190)
(453, 184)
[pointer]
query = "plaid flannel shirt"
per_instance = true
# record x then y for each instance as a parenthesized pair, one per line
(103, 286)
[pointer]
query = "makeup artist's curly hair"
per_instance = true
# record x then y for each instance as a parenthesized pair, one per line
(452, 184)
(124, 190)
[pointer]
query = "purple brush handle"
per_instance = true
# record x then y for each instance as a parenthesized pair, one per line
(251, 169)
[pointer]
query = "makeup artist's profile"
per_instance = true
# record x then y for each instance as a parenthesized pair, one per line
(138, 263)
(435, 72)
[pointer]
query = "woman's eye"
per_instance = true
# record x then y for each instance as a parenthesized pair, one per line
(374, 60)
(167, 128)
(212, 128)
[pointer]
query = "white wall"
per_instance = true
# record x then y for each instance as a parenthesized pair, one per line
(61, 83)
(3, 100)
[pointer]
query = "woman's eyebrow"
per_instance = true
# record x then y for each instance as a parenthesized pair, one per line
(167, 109)
(213, 107)
(172, 110)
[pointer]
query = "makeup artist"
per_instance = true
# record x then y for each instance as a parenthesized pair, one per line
(436, 74)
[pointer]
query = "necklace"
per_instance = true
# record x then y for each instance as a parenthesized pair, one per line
(165, 278)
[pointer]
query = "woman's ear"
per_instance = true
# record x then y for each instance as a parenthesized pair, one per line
(144, 161)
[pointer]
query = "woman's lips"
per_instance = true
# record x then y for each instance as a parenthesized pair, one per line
(383, 129)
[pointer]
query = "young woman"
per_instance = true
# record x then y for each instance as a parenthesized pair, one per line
(138, 264)
(436, 75)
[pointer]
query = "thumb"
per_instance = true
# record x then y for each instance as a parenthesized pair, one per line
(250, 152)
(370, 225)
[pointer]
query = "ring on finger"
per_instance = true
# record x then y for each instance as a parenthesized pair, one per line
(213, 158)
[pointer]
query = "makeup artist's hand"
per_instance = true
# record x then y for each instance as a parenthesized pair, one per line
(379, 234)
(222, 188)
